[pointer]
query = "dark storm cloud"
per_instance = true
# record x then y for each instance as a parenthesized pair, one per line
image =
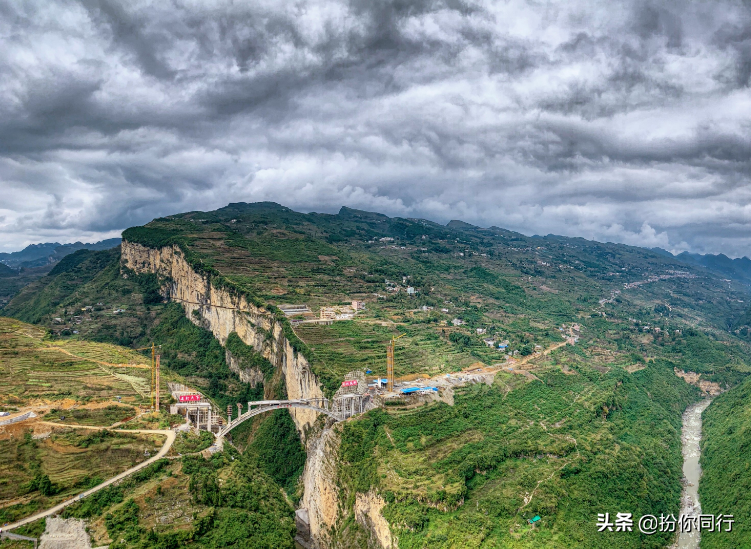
(622, 121)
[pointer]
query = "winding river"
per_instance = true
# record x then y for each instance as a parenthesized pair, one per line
(691, 437)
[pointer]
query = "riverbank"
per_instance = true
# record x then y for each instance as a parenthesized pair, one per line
(691, 440)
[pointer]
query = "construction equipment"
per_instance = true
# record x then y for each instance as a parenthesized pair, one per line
(157, 370)
(154, 387)
(390, 363)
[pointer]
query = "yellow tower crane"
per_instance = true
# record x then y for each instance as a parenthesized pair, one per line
(155, 377)
(390, 363)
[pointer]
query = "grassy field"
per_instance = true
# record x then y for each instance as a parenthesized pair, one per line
(71, 460)
(103, 417)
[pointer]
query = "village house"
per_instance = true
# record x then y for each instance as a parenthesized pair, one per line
(337, 313)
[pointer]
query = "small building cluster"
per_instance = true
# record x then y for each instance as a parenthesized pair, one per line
(299, 314)
(343, 312)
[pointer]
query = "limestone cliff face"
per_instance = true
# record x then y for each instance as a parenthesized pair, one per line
(321, 496)
(323, 499)
(254, 376)
(368, 514)
(222, 313)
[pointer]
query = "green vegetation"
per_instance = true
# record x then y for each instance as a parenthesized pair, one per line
(190, 442)
(96, 416)
(276, 449)
(566, 448)
(43, 296)
(54, 468)
(590, 428)
(247, 356)
(725, 486)
(34, 367)
(225, 501)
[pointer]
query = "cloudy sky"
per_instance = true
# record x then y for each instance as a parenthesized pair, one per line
(619, 121)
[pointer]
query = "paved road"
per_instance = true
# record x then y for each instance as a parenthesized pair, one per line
(57, 508)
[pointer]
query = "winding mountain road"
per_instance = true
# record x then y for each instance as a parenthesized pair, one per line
(59, 507)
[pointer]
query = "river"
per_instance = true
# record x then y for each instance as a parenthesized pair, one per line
(691, 437)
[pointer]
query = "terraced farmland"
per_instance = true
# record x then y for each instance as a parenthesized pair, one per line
(347, 345)
(70, 459)
(35, 368)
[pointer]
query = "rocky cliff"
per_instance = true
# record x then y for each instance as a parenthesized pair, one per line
(368, 515)
(321, 496)
(253, 376)
(324, 499)
(223, 313)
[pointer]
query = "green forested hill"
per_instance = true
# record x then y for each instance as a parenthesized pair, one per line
(596, 428)
(566, 448)
(725, 486)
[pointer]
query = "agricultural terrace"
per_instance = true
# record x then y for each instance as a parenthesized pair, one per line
(36, 369)
(43, 466)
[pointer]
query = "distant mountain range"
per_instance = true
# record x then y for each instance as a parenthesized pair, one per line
(49, 253)
(738, 269)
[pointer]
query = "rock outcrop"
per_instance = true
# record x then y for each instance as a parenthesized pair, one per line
(321, 496)
(254, 376)
(368, 514)
(65, 534)
(222, 313)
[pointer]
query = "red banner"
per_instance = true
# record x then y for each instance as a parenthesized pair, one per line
(189, 398)
(349, 383)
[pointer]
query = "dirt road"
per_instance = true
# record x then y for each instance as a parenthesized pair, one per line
(59, 507)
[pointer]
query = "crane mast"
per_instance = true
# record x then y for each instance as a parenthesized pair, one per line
(390, 363)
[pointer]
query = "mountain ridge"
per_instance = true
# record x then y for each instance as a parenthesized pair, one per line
(47, 253)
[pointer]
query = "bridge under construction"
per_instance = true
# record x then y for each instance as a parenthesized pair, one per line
(202, 414)
(339, 408)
